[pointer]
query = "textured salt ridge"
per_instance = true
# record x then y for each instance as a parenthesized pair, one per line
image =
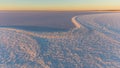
(88, 46)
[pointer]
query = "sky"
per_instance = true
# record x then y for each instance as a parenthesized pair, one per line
(59, 4)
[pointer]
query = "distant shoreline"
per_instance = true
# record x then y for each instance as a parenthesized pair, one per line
(61, 10)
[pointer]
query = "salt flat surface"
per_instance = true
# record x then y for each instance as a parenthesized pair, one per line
(94, 43)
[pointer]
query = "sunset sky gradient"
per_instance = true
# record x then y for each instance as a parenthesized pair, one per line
(59, 4)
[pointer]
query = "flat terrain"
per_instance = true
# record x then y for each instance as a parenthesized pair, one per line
(93, 42)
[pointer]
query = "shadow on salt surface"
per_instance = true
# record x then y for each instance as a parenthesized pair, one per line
(38, 29)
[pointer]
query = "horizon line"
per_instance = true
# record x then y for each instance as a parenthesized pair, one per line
(61, 10)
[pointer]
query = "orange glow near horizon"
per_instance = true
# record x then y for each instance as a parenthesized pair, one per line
(60, 5)
(61, 8)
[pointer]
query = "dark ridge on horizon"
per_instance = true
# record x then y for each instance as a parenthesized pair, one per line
(56, 10)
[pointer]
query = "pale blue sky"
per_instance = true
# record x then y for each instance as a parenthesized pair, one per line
(59, 4)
